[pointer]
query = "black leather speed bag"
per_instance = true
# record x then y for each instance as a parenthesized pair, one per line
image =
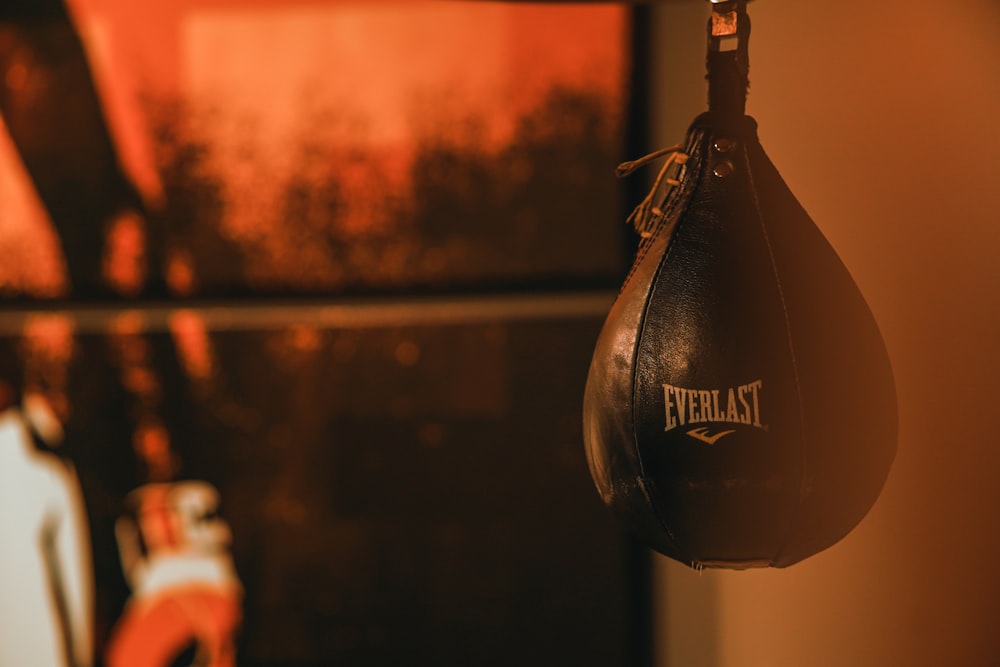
(740, 408)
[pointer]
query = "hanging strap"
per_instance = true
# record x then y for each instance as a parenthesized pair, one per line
(728, 60)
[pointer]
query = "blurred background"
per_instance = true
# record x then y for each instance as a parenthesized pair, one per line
(344, 263)
(317, 284)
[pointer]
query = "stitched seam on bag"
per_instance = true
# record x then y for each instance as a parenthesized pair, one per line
(635, 436)
(676, 228)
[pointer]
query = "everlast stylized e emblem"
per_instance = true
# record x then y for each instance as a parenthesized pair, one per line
(687, 407)
(702, 433)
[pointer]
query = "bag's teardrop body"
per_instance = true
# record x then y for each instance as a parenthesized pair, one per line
(740, 408)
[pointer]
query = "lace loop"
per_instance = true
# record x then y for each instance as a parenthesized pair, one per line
(644, 216)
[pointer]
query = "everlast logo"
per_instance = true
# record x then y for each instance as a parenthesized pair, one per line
(689, 407)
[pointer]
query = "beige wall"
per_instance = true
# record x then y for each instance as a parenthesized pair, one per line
(884, 119)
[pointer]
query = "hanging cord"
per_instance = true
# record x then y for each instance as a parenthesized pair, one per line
(645, 215)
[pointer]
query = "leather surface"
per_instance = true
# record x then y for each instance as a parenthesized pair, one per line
(740, 408)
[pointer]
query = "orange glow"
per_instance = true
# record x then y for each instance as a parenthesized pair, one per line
(32, 259)
(193, 345)
(306, 120)
(371, 57)
(50, 337)
(180, 273)
(291, 95)
(152, 444)
(125, 254)
(48, 347)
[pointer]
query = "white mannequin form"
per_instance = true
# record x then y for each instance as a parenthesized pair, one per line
(46, 586)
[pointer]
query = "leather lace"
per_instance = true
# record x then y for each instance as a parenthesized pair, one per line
(644, 216)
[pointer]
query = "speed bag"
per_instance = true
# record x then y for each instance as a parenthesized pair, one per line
(740, 409)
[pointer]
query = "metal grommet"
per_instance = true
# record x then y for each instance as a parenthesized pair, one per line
(723, 169)
(723, 145)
